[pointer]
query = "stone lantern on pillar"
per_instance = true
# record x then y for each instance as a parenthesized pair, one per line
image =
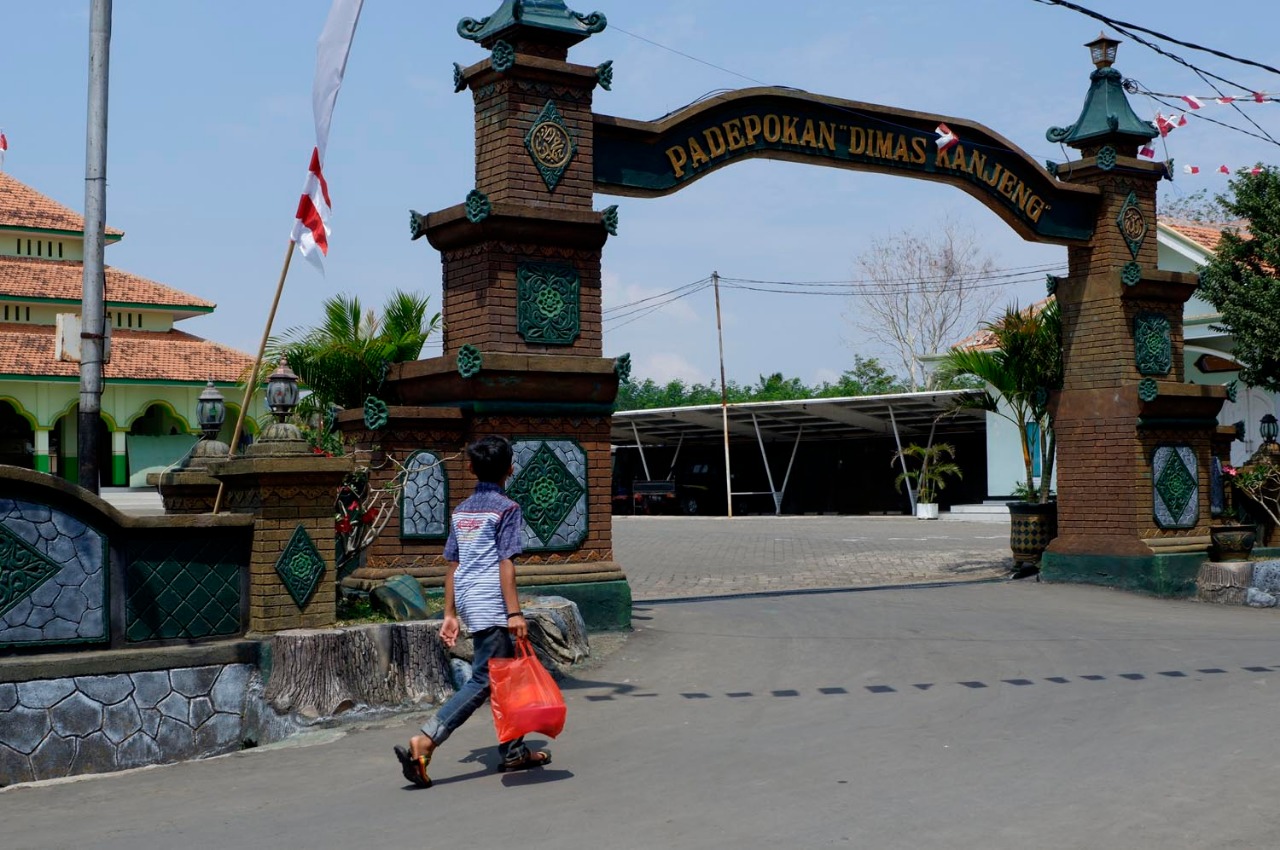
(1134, 440)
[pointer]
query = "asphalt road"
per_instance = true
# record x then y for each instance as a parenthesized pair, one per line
(982, 716)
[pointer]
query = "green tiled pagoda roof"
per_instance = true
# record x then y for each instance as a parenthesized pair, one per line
(547, 15)
(1106, 115)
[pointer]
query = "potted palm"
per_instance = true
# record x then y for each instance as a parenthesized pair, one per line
(1020, 367)
(930, 477)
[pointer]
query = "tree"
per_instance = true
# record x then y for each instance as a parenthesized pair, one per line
(1196, 207)
(931, 476)
(1021, 370)
(867, 377)
(1240, 280)
(345, 358)
(923, 294)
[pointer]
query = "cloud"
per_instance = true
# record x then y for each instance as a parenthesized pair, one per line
(824, 375)
(663, 367)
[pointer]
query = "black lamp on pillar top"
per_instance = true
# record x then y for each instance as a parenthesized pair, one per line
(1102, 51)
(282, 390)
(1268, 428)
(211, 411)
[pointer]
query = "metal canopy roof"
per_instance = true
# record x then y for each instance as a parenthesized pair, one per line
(814, 419)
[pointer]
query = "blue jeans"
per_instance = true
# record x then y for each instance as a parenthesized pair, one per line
(489, 643)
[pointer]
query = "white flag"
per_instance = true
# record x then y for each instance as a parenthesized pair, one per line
(311, 227)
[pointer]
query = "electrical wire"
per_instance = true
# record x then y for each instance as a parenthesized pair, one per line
(1128, 29)
(1029, 272)
(660, 304)
(647, 311)
(653, 297)
(1191, 45)
(847, 293)
(686, 55)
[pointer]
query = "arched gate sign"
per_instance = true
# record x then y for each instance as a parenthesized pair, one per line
(523, 343)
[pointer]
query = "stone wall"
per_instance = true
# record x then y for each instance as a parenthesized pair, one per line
(51, 728)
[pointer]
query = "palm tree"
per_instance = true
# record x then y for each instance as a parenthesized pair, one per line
(1021, 369)
(345, 359)
(931, 477)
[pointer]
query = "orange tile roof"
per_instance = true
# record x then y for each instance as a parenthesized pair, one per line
(1207, 236)
(171, 356)
(31, 277)
(22, 206)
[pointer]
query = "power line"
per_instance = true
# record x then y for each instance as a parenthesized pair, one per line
(687, 56)
(846, 293)
(654, 297)
(1117, 24)
(994, 274)
(645, 310)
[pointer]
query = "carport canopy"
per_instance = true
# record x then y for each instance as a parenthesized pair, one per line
(906, 417)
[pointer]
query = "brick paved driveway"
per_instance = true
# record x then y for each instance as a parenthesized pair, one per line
(675, 557)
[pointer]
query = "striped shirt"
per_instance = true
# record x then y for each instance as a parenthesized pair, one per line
(483, 531)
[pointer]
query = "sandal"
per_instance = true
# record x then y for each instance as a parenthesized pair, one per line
(414, 767)
(533, 759)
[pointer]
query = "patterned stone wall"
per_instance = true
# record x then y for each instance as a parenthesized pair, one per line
(94, 724)
(424, 503)
(53, 577)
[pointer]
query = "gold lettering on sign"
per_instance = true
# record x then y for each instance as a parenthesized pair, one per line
(772, 128)
(718, 142)
(828, 140)
(733, 129)
(715, 141)
(857, 141)
(697, 156)
(678, 159)
(789, 127)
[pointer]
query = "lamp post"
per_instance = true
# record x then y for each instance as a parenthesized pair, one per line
(1102, 51)
(281, 437)
(1268, 428)
(211, 412)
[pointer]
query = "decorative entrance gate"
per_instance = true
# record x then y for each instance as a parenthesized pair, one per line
(523, 345)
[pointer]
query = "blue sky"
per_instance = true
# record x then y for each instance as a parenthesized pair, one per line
(211, 130)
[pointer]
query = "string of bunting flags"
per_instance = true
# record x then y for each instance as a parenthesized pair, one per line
(1167, 124)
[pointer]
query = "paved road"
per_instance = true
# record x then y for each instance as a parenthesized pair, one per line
(1007, 715)
(670, 557)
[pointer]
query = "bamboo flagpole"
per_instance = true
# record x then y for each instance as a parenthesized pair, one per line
(311, 223)
(251, 382)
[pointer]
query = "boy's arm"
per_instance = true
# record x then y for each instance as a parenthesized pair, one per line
(449, 629)
(507, 575)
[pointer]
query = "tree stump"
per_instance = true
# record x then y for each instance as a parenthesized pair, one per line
(324, 672)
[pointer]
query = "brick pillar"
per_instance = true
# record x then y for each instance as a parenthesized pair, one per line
(1124, 412)
(292, 501)
(522, 324)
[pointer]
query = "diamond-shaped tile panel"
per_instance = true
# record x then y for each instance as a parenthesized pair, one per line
(300, 566)
(1177, 490)
(186, 588)
(550, 144)
(546, 491)
(22, 569)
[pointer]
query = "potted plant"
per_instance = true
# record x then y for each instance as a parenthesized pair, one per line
(1259, 482)
(1020, 367)
(929, 478)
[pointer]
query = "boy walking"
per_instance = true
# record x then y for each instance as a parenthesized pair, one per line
(479, 588)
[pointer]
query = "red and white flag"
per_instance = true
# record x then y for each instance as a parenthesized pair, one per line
(1147, 151)
(1255, 170)
(311, 227)
(946, 139)
(1192, 101)
(1225, 100)
(1259, 97)
(1222, 169)
(1163, 125)
(4, 146)
(1191, 169)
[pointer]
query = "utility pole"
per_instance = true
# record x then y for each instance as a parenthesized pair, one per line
(95, 223)
(724, 400)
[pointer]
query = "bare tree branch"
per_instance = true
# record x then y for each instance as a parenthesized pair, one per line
(924, 295)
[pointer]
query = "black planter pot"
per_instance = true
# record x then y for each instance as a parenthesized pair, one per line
(1232, 542)
(1031, 527)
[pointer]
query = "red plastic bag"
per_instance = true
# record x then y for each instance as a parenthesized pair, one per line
(523, 696)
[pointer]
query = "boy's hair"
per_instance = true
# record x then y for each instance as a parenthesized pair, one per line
(490, 459)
